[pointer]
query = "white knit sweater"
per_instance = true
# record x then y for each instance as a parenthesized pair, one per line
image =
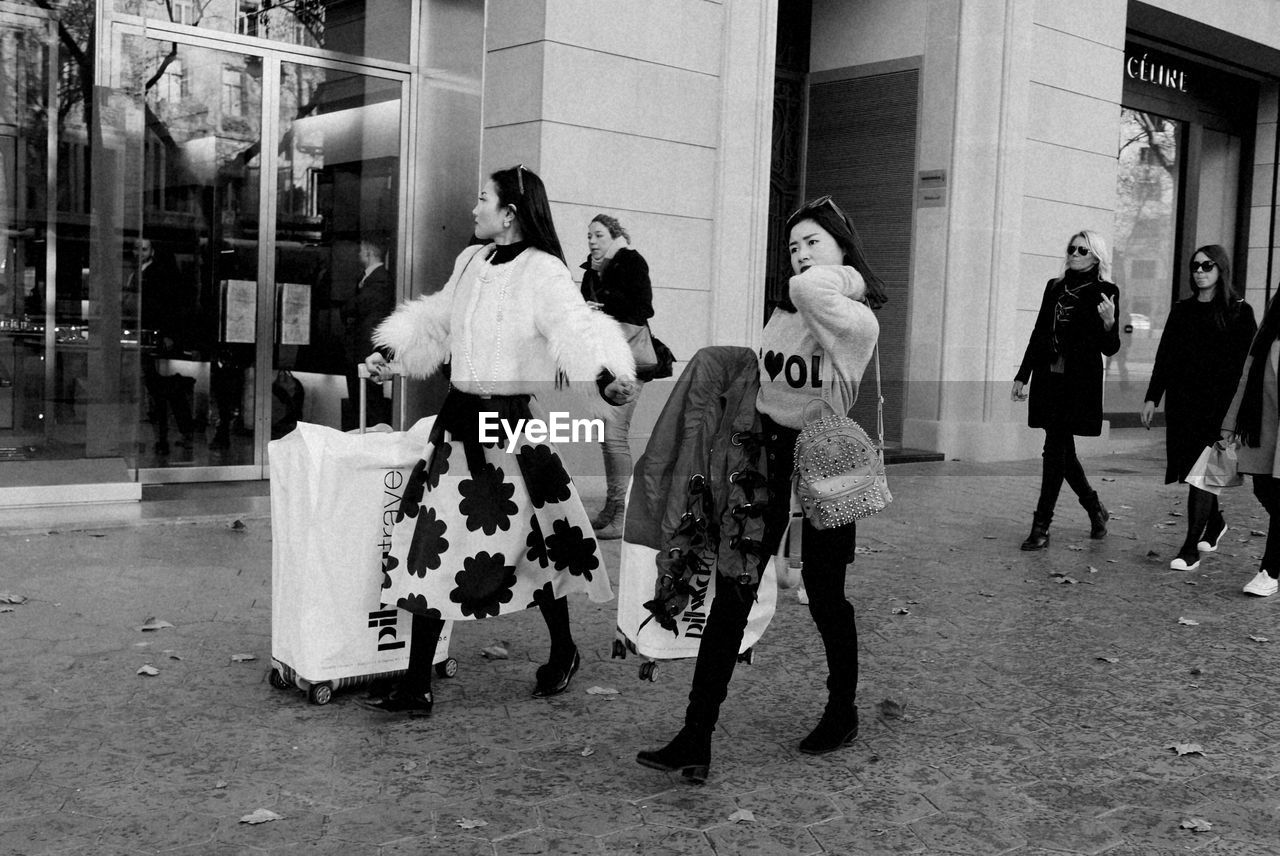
(546, 327)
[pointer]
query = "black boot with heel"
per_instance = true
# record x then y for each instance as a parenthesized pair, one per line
(1039, 537)
(688, 754)
(837, 728)
(1098, 515)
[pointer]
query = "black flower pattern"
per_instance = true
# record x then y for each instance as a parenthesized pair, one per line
(439, 464)
(484, 584)
(486, 500)
(417, 604)
(536, 543)
(428, 544)
(544, 475)
(544, 595)
(411, 500)
(568, 547)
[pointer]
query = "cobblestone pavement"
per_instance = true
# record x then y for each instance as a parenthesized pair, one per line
(1040, 696)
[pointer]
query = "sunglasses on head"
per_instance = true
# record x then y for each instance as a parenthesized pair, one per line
(520, 177)
(1205, 266)
(820, 202)
(1078, 250)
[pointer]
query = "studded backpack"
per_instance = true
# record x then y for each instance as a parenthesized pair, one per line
(839, 471)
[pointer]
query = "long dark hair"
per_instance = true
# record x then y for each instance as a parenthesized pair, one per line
(1224, 300)
(521, 188)
(828, 215)
(1249, 417)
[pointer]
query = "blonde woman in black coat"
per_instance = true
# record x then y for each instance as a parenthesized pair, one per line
(1075, 328)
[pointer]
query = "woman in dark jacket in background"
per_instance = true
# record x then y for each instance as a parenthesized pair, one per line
(1202, 350)
(616, 279)
(1075, 328)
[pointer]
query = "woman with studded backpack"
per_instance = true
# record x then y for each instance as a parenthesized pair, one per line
(817, 341)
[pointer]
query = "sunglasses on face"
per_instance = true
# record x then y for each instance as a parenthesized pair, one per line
(1205, 266)
(820, 202)
(1078, 250)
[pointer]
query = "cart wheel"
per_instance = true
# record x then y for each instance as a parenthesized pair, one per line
(447, 667)
(648, 670)
(279, 681)
(619, 650)
(748, 656)
(320, 693)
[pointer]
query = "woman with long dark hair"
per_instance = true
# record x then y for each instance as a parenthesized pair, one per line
(491, 524)
(1075, 328)
(616, 279)
(826, 321)
(1202, 349)
(1253, 419)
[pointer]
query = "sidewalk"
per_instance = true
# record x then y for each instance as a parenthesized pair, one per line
(1040, 696)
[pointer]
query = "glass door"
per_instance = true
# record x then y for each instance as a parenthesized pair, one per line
(259, 269)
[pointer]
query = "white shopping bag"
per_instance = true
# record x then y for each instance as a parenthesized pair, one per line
(334, 498)
(642, 634)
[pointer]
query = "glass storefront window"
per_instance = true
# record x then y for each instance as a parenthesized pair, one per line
(1143, 262)
(346, 26)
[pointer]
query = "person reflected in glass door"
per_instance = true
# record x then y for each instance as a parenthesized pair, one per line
(163, 312)
(373, 300)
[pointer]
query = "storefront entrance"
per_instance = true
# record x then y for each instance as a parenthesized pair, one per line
(198, 208)
(1185, 165)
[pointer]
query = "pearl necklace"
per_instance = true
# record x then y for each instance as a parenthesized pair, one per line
(487, 276)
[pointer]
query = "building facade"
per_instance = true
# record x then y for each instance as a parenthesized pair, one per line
(187, 185)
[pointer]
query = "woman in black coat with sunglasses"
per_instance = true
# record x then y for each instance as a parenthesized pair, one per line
(1075, 328)
(1202, 349)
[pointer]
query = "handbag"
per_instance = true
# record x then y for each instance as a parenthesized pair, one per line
(640, 340)
(839, 471)
(1216, 468)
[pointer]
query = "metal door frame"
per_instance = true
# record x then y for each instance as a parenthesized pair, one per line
(272, 54)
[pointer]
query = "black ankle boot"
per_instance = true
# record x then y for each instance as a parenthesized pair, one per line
(402, 699)
(837, 728)
(1039, 537)
(688, 754)
(1098, 515)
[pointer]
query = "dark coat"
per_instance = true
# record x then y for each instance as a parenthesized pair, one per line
(623, 289)
(1196, 370)
(1070, 400)
(364, 310)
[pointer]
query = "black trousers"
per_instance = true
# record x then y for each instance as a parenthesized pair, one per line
(827, 552)
(1267, 490)
(1060, 464)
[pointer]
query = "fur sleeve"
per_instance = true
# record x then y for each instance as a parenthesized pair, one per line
(417, 333)
(582, 340)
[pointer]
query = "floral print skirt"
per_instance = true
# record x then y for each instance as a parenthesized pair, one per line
(481, 531)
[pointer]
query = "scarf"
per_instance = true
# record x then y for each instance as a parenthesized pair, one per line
(1067, 307)
(619, 243)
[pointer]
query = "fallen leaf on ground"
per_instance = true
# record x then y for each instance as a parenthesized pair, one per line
(1191, 582)
(497, 651)
(802, 595)
(1152, 554)
(902, 610)
(468, 823)
(219, 785)
(1092, 569)
(1190, 622)
(1109, 659)
(742, 814)
(862, 551)
(990, 537)
(7, 609)
(408, 766)
(1186, 748)
(1067, 581)
(153, 623)
(1107, 479)
(12, 598)
(1196, 824)
(242, 658)
(1257, 532)
(238, 525)
(587, 752)
(1175, 513)
(172, 655)
(985, 594)
(1259, 638)
(149, 671)
(262, 815)
(1075, 547)
(601, 691)
(890, 709)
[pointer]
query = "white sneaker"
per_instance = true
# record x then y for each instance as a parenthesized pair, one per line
(1181, 564)
(1212, 546)
(1262, 585)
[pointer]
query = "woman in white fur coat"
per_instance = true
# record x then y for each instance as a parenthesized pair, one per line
(487, 528)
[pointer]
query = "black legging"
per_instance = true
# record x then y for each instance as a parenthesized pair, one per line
(1060, 464)
(1267, 490)
(826, 554)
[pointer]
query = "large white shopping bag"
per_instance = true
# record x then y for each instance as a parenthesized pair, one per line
(641, 634)
(334, 498)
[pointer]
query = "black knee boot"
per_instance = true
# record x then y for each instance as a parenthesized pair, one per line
(689, 753)
(413, 694)
(1039, 537)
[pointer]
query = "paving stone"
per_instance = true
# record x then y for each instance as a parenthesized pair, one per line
(754, 838)
(1066, 831)
(589, 814)
(965, 832)
(656, 840)
(883, 804)
(1155, 828)
(858, 837)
